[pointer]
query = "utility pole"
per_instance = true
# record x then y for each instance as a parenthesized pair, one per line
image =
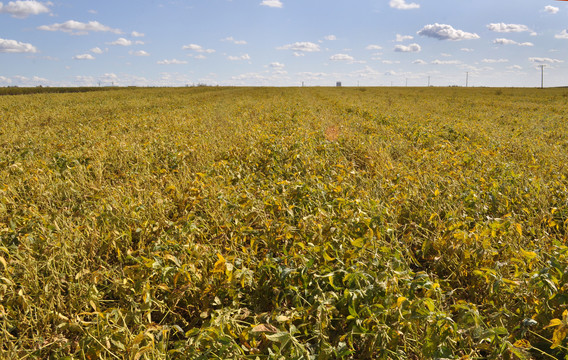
(406, 82)
(542, 76)
(428, 81)
(466, 78)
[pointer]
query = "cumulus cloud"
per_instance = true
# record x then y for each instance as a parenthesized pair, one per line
(374, 47)
(303, 46)
(5, 80)
(84, 57)
(171, 62)
(540, 60)
(197, 48)
(330, 37)
(419, 62)
(276, 65)
(139, 53)
(13, 46)
(121, 42)
(236, 42)
(551, 9)
(446, 32)
(137, 34)
(79, 28)
(503, 41)
(272, 3)
(505, 28)
(96, 50)
(341, 57)
(401, 38)
(562, 35)
(237, 58)
(22, 9)
(409, 48)
(403, 5)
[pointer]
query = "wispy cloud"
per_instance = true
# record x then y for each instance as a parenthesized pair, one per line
(84, 57)
(304, 46)
(401, 38)
(236, 42)
(121, 42)
(403, 5)
(237, 58)
(171, 62)
(139, 53)
(198, 48)
(341, 57)
(272, 3)
(79, 28)
(505, 28)
(374, 47)
(503, 41)
(540, 60)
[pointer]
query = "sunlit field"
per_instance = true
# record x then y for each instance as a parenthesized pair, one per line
(284, 223)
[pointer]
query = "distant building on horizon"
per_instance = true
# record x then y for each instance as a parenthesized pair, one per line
(338, 84)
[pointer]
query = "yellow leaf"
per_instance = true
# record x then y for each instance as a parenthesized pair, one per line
(554, 322)
(523, 344)
(400, 300)
(559, 335)
(519, 229)
(220, 264)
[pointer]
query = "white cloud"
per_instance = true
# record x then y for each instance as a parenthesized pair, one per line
(299, 54)
(551, 9)
(390, 62)
(330, 37)
(272, 3)
(5, 80)
(121, 42)
(446, 32)
(402, 5)
(374, 47)
(514, 67)
(409, 48)
(237, 58)
(136, 34)
(171, 62)
(22, 9)
(139, 53)
(562, 35)
(466, 49)
(197, 48)
(446, 62)
(84, 57)
(505, 28)
(401, 38)
(303, 46)
(419, 61)
(96, 50)
(79, 28)
(200, 57)
(539, 60)
(503, 41)
(236, 42)
(341, 57)
(13, 46)
(276, 65)
(493, 61)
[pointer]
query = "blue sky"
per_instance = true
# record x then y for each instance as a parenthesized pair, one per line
(283, 42)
